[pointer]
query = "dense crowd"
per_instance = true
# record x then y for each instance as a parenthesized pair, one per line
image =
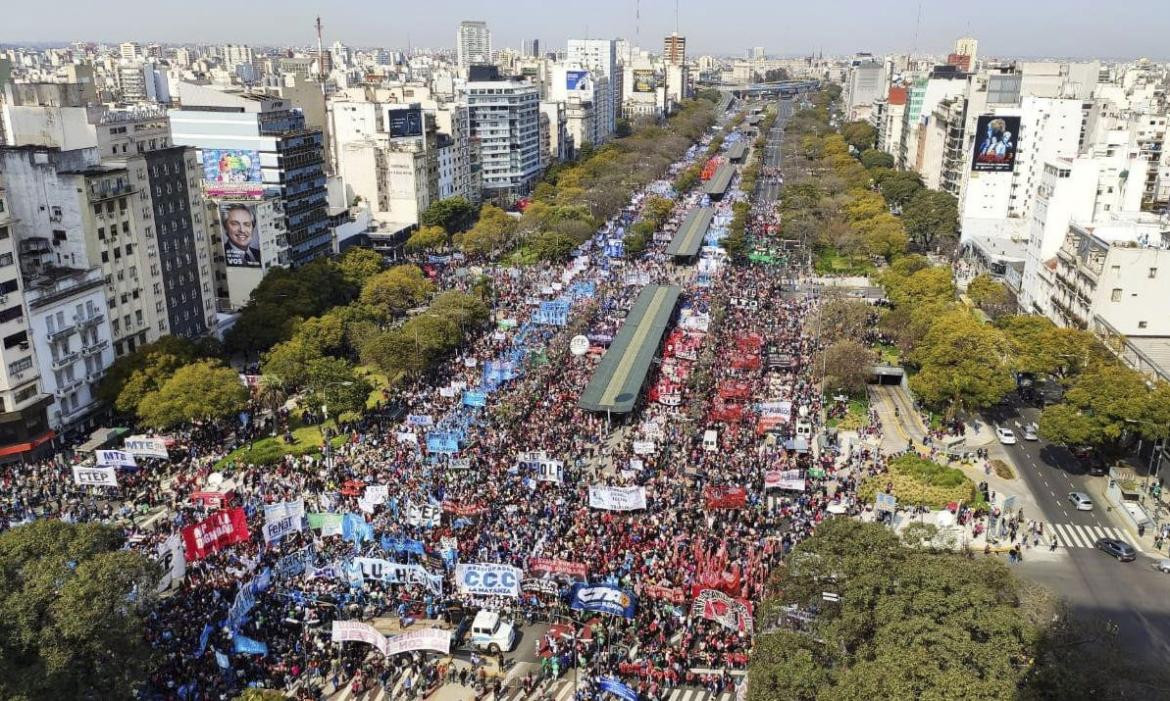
(688, 538)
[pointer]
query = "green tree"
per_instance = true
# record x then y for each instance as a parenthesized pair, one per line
(964, 364)
(923, 286)
(843, 318)
(872, 158)
(883, 235)
(332, 383)
(427, 238)
(467, 311)
(847, 367)
(490, 234)
(551, 246)
(453, 215)
(202, 390)
(658, 210)
(900, 186)
(134, 375)
(991, 296)
(860, 135)
(287, 364)
(929, 216)
(1106, 405)
(392, 292)
(74, 607)
(359, 264)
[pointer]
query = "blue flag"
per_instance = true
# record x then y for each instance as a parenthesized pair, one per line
(617, 688)
(247, 646)
(204, 637)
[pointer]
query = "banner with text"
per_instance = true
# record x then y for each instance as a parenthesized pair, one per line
(617, 498)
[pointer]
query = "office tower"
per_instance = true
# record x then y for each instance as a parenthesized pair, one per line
(969, 47)
(473, 45)
(758, 53)
(505, 121)
(532, 48)
(674, 49)
(130, 51)
(600, 55)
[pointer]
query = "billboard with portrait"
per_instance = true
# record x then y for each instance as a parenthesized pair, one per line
(576, 80)
(405, 122)
(232, 173)
(996, 139)
(644, 81)
(241, 235)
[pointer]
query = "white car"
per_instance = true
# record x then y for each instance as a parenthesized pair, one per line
(1081, 501)
(1005, 435)
(1030, 433)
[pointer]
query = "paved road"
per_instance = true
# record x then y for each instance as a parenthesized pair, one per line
(767, 189)
(1133, 595)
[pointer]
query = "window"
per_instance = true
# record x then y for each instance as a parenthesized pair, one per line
(105, 256)
(1116, 296)
(1142, 324)
(3, 231)
(1153, 272)
(17, 339)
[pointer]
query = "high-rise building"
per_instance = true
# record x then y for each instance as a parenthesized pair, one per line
(969, 47)
(758, 53)
(674, 49)
(505, 123)
(473, 45)
(532, 48)
(130, 51)
(600, 55)
(264, 172)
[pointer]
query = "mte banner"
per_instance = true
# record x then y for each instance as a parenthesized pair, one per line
(146, 447)
(117, 458)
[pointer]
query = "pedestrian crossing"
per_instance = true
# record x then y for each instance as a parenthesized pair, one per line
(1077, 536)
(563, 691)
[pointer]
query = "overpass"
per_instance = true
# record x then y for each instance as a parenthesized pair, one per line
(784, 88)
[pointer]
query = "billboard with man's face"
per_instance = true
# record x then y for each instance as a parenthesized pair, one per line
(644, 81)
(232, 173)
(241, 235)
(995, 144)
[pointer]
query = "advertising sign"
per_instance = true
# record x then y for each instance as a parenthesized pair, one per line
(576, 80)
(602, 598)
(146, 447)
(617, 498)
(995, 144)
(219, 530)
(232, 173)
(488, 579)
(94, 476)
(405, 122)
(241, 235)
(426, 639)
(644, 81)
(117, 458)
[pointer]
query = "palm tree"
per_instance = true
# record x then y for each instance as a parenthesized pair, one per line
(270, 396)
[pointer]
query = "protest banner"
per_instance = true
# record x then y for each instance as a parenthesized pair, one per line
(543, 567)
(617, 498)
(169, 554)
(94, 476)
(146, 447)
(283, 518)
(784, 479)
(724, 497)
(488, 579)
(377, 569)
(424, 515)
(432, 639)
(219, 530)
(116, 458)
(356, 631)
(714, 605)
(602, 598)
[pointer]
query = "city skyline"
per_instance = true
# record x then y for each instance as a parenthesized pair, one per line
(1131, 31)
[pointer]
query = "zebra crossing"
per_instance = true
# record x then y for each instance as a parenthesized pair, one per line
(563, 691)
(1077, 536)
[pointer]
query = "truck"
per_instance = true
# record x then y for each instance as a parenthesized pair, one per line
(486, 632)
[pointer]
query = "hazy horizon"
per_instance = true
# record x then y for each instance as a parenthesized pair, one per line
(1040, 29)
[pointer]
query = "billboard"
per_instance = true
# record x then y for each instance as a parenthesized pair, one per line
(232, 173)
(995, 144)
(644, 80)
(405, 122)
(576, 80)
(241, 235)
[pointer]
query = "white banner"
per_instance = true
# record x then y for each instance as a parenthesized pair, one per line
(283, 518)
(406, 437)
(447, 392)
(617, 498)
(488, 579)
(146, 447)
(784, 479)
(459, 464)
(426, 639)
(378, 493)
(94, 476)
(170, 555)
(397, 573)
(117, 458)
(423, 515)
(356, 631)
(550, 471)
(644, 447)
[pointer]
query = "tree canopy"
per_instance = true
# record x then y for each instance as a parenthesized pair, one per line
(930, 216)
(1107, 404)
(427, 238)
(963, 363)
(203, 390)
(392, 292)
(453, 215)
(73, 606)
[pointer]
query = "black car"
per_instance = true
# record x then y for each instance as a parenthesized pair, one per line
(1117, 548)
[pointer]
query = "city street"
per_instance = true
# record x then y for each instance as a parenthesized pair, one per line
(1131, 594)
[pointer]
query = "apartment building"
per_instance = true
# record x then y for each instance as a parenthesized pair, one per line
(505, 123)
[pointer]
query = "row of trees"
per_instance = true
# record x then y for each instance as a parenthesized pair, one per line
(922, 622)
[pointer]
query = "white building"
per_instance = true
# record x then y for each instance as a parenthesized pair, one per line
(505, 121)
(867, 82)
(473, 45)
(600, 55)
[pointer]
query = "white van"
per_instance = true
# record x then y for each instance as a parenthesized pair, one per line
(711, 440)
(490, 634)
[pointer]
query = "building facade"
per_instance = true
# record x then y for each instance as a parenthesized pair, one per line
(504, 117)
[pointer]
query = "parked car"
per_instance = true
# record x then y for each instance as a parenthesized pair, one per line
(1005, 435)
(1081, 501)
(1090, 459)
(1119, 549)
(1163, 566)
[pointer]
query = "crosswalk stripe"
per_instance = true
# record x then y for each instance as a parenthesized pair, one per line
(1097, 532)
(726, 696)
(565, 692)
(1067, 537)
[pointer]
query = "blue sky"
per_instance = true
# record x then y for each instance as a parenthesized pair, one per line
(1076, 28)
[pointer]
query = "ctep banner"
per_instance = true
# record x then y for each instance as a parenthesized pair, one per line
(94, 476)
(602, 598)
(221, 529)
(169, 554)
(617, 498)
(488, 579)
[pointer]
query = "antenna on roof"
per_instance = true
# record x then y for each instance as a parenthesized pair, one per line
(917, 26)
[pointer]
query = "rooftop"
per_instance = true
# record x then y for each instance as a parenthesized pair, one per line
(690, 234)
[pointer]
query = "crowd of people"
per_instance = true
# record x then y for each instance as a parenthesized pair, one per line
(713, 521)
